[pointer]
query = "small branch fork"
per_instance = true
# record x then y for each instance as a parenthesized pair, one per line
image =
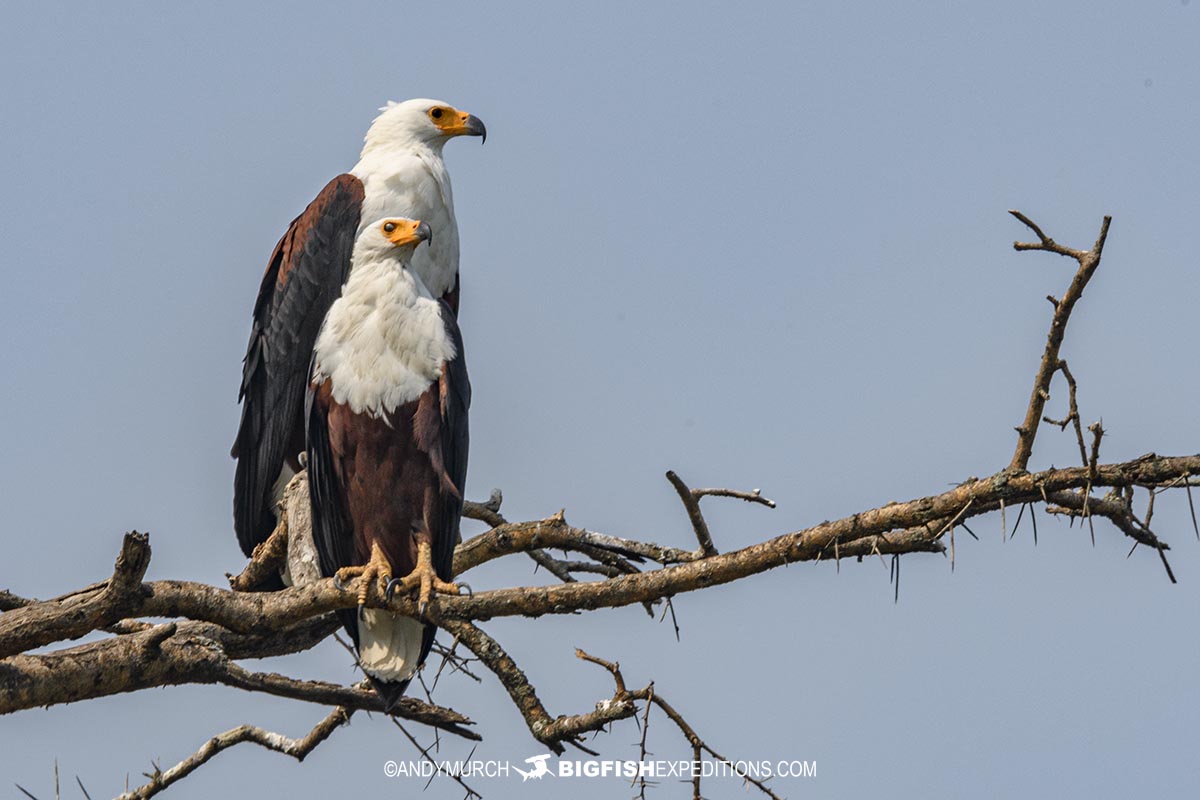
(209, 629)
(691, 503)
(1088, 261)
(1072, 417)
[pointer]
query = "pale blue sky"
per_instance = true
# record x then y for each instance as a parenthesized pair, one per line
(762, 245)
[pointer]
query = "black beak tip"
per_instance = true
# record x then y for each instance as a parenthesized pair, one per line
(424, 232)
(476, 127)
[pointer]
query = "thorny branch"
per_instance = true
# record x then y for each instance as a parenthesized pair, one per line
(209, 629)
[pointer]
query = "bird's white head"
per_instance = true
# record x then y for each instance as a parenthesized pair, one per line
(420, 122)
(392, 237)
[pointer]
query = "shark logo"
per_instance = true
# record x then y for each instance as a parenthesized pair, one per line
(539, 771)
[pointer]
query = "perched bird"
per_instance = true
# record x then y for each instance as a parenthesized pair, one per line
(400, 173)
(386, 415)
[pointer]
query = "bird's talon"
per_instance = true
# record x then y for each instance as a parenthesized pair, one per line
(390, 590)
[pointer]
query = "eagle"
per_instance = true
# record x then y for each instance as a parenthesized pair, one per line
(400, 173)
(386, 415)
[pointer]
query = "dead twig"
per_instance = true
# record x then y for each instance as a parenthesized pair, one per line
(691, 503)
(1088, 262)
(296, 748)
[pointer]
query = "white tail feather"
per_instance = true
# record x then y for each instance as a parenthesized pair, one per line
(389, 646)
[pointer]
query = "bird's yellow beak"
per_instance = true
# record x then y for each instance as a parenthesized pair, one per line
(460, 123)
(406, 231)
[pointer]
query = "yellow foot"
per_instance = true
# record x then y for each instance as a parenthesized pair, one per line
(423, 578)
(376, 572)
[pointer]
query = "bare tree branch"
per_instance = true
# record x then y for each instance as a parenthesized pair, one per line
(296, 748)
(752, 496)
(74, 615)
(192, 652)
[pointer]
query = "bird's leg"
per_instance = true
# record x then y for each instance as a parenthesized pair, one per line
(376, 572)
(423, 577)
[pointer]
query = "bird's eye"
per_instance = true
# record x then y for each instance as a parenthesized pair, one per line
(389, 227)
(436, 113)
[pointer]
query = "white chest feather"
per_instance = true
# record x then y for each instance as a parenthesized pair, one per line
(417, 186)
(383, 342)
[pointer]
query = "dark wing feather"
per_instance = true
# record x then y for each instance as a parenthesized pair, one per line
(332, 526)
(452, 445)
(451, 297)
(447, 439)
(455, 443)
(305, 275)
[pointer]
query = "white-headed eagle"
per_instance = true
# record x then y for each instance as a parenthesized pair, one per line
(386, 414)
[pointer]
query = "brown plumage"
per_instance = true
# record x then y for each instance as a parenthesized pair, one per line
(392, 475)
